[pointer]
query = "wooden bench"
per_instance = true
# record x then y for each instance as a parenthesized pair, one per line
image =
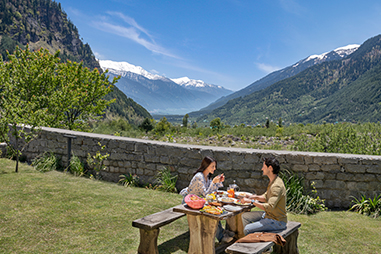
(149, 227)
(290, 234)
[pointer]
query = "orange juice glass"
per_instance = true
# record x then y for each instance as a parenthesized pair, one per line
(231, 193)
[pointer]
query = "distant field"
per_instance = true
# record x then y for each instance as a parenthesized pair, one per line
(58, 213)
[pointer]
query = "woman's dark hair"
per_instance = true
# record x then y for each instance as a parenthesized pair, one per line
(205, 163)
(271, 161)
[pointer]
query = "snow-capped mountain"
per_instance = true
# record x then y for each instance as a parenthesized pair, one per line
(287, 72)
(328, 56)
(121, 68)
(159, 94)
(199, 85)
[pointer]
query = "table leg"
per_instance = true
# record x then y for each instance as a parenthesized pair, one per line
(235, 224)
(203, 231)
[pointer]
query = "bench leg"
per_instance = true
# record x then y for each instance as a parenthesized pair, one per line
(148, 241)
(291, 246)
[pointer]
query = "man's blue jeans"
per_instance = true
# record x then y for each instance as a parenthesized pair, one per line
(256, 222)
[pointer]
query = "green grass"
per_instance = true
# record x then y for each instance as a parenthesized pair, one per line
(55, 212)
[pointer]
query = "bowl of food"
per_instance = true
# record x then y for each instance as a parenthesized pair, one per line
(194, 201)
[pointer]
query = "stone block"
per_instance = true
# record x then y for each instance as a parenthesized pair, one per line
(343, 161)
(295, 159)
(315, 176)
(308, 160)
(375, 169)
(164, 159)
(151, 158)
(351, 168)
(345, 176)
(299, 168)
(325, 160)
(314, 167)
(364, 178)
(251, 158)
(318, 184)
(331, 168)
(225, 165)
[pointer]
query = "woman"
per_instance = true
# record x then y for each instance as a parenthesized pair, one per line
(202, 185)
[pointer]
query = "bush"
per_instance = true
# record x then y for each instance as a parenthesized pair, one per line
(76, 167)
(47, 162)
(129, 180)
(297, 199)
(166, 181)
(370, 207)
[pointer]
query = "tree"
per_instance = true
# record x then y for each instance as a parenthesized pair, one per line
(280, 122)
(216, 124)
(80, 96)
(267, 123)
(147, 125)
(163, 125)
(37, 90)
(185, 120)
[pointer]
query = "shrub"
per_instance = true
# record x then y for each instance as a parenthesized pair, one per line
(166, 181)
(47, 162)
(129, 180)
(297, 200)
(370, 207)
(76, 167)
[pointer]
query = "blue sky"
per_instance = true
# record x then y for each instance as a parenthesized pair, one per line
(231, 43)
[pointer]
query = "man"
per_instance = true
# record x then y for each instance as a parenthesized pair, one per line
(272, 202)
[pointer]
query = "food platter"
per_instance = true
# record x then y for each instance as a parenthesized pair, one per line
(227, 200)
(242, 194)
(238, 202)
(214, 210)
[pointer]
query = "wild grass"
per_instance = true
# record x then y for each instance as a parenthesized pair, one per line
(56, 212)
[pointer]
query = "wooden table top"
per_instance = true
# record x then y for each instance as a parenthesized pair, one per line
(227, 214)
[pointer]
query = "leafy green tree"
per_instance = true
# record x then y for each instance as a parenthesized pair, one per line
(37, 90)
(216, 124)
(185, 120)
(280, 122)
(163, 125)
(146, 125)
(267, 123)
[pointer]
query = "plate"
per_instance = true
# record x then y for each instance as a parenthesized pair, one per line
(237, 202)
(227, 200)
(232, 208)
(221, 192)
(242, 193)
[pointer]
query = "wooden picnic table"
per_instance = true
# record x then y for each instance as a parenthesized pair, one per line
(203, 227)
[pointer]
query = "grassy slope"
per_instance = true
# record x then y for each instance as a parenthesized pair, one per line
(58, 213)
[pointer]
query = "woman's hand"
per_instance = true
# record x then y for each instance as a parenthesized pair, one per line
(219, 179)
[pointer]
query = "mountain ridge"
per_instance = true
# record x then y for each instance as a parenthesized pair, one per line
(278, 75)
(160, 94)
(304, 97)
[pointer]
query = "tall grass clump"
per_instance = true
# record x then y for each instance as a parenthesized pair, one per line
(48, 161)
(298, 201)
(166, 181)
(367, 206)
(76, 167)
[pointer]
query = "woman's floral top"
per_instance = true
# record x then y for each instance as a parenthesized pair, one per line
(200, 187)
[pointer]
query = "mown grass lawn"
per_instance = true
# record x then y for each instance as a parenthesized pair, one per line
(56, 212)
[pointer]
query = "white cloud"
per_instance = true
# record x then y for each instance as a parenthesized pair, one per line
(266, 67)
(99, 56)
(133, 31)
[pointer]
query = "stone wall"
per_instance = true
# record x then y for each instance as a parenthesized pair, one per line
(337, 177)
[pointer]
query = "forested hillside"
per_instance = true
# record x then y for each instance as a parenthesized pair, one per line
(341, 90)
(44, 23)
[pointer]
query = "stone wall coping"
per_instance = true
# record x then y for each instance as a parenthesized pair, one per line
(214, 148)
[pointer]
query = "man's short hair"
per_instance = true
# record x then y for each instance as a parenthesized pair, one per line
(274, 163)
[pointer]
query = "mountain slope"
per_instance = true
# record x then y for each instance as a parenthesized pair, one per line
(287, 72)
(319, 93)
(159, 94)
(43, 23)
